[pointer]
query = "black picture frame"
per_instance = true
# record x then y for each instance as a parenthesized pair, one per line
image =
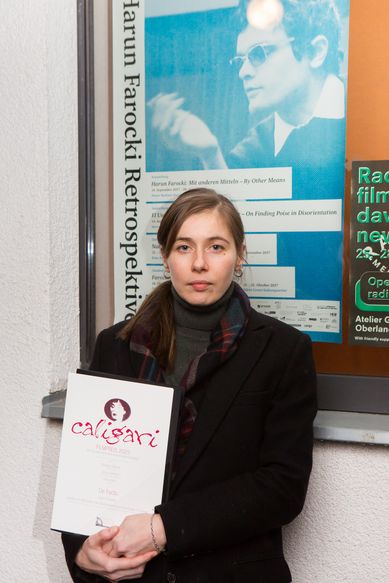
(336, 393)
(86, 159)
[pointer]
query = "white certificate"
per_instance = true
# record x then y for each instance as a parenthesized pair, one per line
(117, 446)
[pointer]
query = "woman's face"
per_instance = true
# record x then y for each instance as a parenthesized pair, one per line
(117, 411)
(203, 258)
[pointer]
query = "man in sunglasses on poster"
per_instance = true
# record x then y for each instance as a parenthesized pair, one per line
(288, 61)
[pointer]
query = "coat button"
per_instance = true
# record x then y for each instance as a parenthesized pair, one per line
(171, 578)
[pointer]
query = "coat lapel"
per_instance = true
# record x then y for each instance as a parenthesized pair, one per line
(220, 393)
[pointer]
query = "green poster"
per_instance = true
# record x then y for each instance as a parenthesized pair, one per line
(369, 254)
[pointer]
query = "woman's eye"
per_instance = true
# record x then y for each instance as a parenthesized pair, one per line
(183, 248)
(217, 247)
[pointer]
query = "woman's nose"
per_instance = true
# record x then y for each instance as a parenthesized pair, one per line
(199, 261)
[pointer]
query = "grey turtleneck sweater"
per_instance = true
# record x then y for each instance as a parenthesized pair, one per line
(194, 325)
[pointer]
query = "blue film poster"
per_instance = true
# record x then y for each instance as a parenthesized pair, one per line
(252, 104)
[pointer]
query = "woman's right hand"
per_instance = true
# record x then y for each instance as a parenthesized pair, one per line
(94, 557)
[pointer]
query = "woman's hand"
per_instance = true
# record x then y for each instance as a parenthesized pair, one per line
(98, 555)
(134, 537)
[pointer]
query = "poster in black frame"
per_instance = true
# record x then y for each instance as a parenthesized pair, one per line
(336, 392)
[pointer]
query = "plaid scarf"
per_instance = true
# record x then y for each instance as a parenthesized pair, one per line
(223, 343)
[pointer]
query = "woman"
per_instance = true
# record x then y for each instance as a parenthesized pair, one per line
(244, 453)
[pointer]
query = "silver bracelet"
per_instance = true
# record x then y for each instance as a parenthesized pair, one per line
(155, 544)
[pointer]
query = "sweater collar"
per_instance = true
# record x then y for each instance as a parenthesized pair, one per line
(200, 317)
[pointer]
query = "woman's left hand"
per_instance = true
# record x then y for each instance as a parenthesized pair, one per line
(134, 536)
(95, 557)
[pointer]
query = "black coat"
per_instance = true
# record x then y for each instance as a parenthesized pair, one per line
(246, 468)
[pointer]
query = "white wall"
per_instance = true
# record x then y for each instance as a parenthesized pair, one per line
(342, 535)
(38, 270)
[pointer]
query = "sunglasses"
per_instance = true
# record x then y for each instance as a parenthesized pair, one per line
(258, 54)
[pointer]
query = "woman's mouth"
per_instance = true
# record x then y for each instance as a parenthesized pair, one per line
(200, 285)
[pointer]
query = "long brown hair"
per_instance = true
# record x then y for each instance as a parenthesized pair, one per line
(156, 313)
